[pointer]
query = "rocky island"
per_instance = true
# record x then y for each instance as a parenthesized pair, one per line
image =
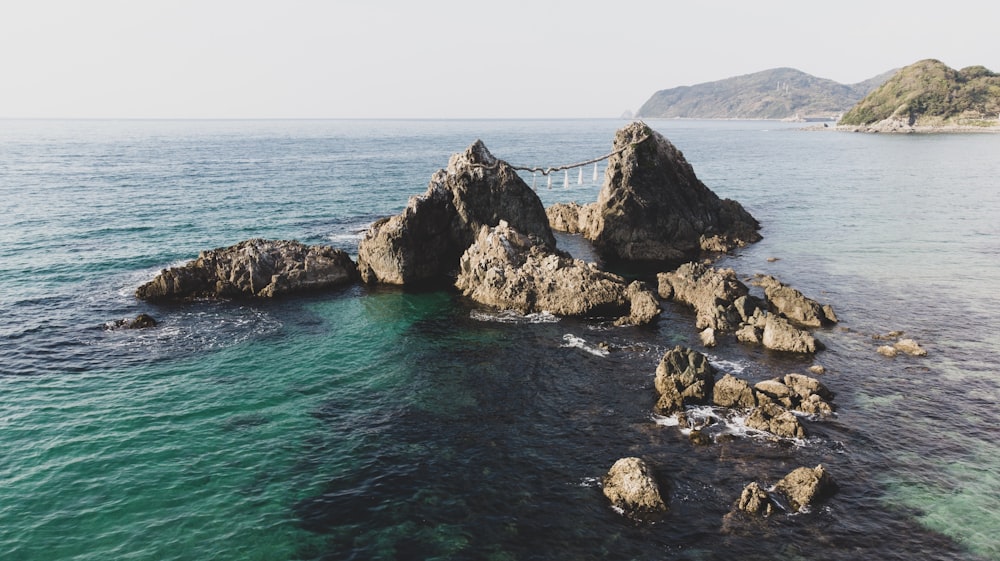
(653, 209)
(480, 230)
(928, 96)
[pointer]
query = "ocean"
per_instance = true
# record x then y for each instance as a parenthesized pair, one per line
(380, 423)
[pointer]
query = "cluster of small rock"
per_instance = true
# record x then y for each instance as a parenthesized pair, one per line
(634, 490)
(723, 303)
(684, 377)
(796, 492)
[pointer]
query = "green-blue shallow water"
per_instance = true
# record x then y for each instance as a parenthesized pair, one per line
(382, 424)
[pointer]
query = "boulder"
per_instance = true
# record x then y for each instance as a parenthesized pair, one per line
(653, 208)
(566, 217)
(776, 391)
(772, 418)
(730, 391)
(631, 487)
(719, 298)
(506, 269)
(793, 305)
(707, 337)
(755, 500)
(683, 377)
(644, 307)
(423, 244)
(797, 492)
(887, 350)
(804, 487)
(780, 335)
(253, 268)
(910, 347)
(798, 392)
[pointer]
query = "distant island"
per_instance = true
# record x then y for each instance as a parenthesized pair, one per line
(929, 95)
(779, 93)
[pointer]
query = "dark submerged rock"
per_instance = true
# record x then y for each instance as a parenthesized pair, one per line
(141, 321)
(253, 268)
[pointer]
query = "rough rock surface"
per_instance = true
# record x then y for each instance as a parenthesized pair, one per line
(798, 491)
(571, 218)
(653, 208)
(798, 392)
(804, 487)
(910, 347)
(723, 303)
(253, 268)
(793, 305)
(755, 500)
(423, 244)
(730, 391)
(683, 377)
(631, 487)
(775, 419)
(506, 269)
(712, 292)
(780, 335)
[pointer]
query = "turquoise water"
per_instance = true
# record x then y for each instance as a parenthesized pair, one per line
(383, 424)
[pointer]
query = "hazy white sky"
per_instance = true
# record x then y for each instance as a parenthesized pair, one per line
(445, 58)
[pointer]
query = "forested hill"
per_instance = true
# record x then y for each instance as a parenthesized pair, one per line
(779, 93)
(929, 93)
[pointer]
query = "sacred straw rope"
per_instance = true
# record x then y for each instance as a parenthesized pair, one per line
(546, 171)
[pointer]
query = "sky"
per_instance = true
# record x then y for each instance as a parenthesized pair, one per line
(446, 58)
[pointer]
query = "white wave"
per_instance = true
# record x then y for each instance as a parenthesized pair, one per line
(729, 366)
(572, 341)
(512, 316)
(718, 421)
(194, 331)
(352, 235)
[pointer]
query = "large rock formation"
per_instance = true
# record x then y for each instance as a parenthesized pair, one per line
(631, 487)
(506, 269)
(652, 207)
(423, 244)
(253, 268)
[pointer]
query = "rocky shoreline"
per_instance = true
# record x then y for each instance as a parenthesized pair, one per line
(478, 229)
(897, 126)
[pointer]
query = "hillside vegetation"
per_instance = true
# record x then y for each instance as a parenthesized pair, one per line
(929, 93)
(779, 93)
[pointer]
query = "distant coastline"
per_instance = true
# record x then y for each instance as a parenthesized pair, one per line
(916, 129)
